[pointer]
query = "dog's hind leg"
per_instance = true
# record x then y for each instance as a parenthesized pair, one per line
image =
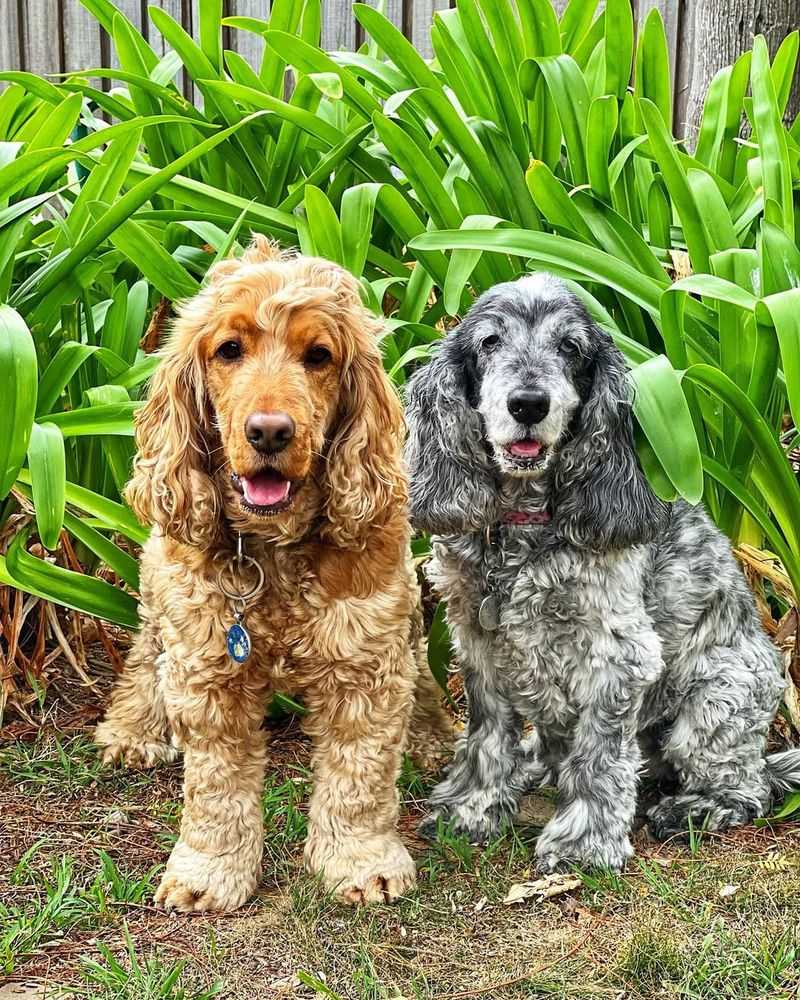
(716, 744)
(135, 728)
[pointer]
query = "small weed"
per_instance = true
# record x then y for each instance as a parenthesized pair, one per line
(412, 783)
(365, 977)
(113, 886)
(649, 958)
(22, 872)
(452, 850)
(284, 815)
(39, 690)
(170, 811)
(56, 906)
(764, 966)
(50, 762)
(57, 902)
(605, 883)
(696, 835)
(661, 885)
(310, 899)
(680, 894)
(136, 979)
(314, 983)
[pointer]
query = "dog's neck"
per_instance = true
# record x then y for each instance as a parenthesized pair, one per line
(525, 501)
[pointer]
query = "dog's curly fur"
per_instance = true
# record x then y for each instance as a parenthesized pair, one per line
(337, 620)
(626, 632)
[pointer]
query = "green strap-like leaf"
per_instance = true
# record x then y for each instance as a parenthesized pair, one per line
(111, 418)
(782, 311)
(18, 391)
(663, 414)
(160, 268)
(115, 515)
(653, 78)
(618, 46)
(73, 590)
(357, 212)
(775, 166)
(48, 277)
(681, 193)
(781, 489)
(324, 228)
(47, 464)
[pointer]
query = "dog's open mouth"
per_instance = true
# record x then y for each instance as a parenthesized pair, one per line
(266, 492)
(526, 453)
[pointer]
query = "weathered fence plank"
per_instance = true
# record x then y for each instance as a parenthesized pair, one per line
(40, 39)
(172, 7)
(249, 45)
(82, 37)
(338, 25)
(394, 11)
(714, 33)
(422, 12)
(9, 36)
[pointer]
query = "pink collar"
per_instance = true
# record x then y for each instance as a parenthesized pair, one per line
(523, 517)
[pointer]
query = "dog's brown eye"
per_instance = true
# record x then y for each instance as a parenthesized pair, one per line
(489, 343)
(230, 350)
(317, 356)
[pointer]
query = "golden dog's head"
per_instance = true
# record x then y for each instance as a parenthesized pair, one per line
(271, 409)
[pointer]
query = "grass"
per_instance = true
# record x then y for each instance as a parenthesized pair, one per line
(86, 847)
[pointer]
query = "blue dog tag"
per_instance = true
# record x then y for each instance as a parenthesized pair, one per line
(238, 642)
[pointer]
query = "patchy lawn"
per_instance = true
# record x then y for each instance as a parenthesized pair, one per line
(82, 849)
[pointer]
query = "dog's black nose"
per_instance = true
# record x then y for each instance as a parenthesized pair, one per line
(269, 432)
(529, 406)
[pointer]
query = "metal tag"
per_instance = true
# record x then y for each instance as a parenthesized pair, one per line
(489, 613)
(238, 641)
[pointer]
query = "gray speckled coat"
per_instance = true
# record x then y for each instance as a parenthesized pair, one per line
(623, 628)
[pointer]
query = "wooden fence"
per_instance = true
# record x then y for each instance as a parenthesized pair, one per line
(55, 36)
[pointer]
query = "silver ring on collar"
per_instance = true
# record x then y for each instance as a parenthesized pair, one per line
(232, 595)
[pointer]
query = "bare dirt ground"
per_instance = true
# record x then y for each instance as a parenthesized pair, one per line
(81, 849)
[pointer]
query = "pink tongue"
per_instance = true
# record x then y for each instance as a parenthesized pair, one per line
(265, 489)
(525, 449)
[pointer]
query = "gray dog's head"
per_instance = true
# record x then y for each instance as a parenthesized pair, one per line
(527, 387)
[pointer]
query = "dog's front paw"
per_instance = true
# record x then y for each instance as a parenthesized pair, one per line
(608, 854)
(673, 814)
(138, 750)
(370, 870)
(195, 882)
(462, 820)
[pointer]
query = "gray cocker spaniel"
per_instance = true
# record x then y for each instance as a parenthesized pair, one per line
(620, 626)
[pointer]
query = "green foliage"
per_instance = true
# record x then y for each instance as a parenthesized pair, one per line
(129, 977)
(526, 143)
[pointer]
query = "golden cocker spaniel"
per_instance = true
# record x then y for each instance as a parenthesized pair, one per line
(271, 420)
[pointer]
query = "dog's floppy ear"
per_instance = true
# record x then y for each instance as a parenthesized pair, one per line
(452, 486)
(602, 500)
(171, 485)
(365, 481)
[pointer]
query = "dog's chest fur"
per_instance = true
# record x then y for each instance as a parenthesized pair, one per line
(570, 620)
(296, 628)
(555, 608)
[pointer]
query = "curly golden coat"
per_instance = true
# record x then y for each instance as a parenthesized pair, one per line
(337, 620)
